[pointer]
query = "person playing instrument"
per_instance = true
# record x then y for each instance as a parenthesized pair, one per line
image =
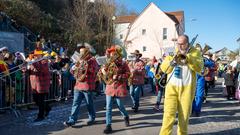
(138, 74)
(199, 95)
(209, 78)
(116, 87)
(181, 86)
(40, 84)
(160, 84)
(85, 75)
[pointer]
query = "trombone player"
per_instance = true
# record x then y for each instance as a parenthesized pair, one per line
(181, 84)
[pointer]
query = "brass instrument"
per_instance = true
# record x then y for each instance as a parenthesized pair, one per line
(81, 71)
(177, 59)
(205, 71)
(130, 78)
(82, 66)
(206, 48)
(157, 73)
(111, 69)
(181, 59)
(159, 76)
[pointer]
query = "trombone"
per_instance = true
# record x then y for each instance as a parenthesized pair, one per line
(24, 64)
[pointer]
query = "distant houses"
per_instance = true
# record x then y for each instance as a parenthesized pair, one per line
(151, 32)
(225, 55)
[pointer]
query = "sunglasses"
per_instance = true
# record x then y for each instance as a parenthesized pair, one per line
(181, 43)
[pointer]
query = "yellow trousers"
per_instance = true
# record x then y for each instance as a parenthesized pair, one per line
(177, 99)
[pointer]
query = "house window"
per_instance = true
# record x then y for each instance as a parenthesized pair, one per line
(121, 36)
(144, 48)
(164, 33)
(143, 31)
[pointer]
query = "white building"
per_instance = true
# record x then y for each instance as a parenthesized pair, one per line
(151, 32)
(224, 55)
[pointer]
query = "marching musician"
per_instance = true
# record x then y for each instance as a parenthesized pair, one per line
(181, 85)
(199, 96)
(209, 78)
(85, 74)
(160, 80)
(117, 73)
(137, 68)
(100, 74)
(40, 84)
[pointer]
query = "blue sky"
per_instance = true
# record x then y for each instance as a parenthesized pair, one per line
(218, 21)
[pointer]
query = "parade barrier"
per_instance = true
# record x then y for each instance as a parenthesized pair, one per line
(15, 89)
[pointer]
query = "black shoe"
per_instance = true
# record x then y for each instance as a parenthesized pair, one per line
(197, 114)
(90, 122)
(126, 119)
(135, 109)
(68, 124)
(2, 111)
(38, 119)
(107, 130)
(47, 111)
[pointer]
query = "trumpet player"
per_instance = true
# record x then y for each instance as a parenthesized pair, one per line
(117, 73)
(181, 85)
(85, 75)
(137, 68)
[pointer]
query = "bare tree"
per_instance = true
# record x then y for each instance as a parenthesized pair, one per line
(90, 22)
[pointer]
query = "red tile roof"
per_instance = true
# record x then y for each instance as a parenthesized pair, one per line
(125, 19)
(176, 16)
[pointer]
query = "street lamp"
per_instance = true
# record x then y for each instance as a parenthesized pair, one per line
(238, 40)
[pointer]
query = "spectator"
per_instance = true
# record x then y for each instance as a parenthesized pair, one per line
(229, 82)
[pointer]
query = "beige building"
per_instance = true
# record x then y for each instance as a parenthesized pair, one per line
(151, 32)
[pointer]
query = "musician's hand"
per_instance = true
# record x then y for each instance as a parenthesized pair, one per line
(115, 77)
(133, 70)
(119, 77)
(77, 63)
(173, 63)
(103, 71)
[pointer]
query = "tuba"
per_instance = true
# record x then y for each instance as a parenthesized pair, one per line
(110, 69)
(80, 72)
(206, 48)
